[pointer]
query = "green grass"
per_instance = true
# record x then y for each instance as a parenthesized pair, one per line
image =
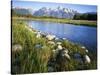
(66, 21)
(29, 59)
(33, 60)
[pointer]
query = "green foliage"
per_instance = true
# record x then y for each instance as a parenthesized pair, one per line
(86, 16)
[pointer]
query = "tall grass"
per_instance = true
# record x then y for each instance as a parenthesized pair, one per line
(30, 59)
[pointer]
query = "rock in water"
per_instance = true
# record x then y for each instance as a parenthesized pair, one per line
(83, 47)
(86, 51)
(64, 38)
(50, 37)
(56, 38)
(16, 47)
(87, 59)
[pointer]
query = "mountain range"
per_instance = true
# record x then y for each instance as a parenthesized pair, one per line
(58, 12)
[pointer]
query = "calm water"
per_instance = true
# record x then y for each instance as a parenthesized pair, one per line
(83, 35)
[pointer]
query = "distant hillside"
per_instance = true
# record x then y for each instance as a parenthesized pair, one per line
(21, 11)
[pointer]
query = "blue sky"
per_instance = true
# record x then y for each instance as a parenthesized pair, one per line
(38, 5)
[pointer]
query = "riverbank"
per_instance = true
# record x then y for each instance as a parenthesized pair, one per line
(66, 21)
(34, 51)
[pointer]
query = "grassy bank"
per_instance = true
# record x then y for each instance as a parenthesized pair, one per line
(32, 55)
(66, 21)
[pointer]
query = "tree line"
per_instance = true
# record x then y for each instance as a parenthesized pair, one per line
(85, 16)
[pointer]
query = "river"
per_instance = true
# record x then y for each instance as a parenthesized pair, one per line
(83, 35)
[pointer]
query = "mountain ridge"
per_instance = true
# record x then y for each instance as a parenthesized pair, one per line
(58, 12)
